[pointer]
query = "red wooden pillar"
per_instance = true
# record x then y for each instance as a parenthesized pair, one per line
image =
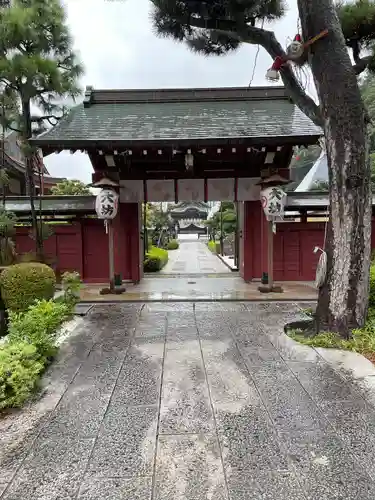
(127, 242)
(246, 241)
(254, 241)
(264, 236)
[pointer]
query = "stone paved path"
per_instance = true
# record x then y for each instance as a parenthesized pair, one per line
(193, 257)
(206, 401)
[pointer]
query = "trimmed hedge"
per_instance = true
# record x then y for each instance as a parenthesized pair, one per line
(156, 259)
(173, 245)
(23, 284)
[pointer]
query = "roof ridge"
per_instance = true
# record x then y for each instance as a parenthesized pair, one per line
(106, 96)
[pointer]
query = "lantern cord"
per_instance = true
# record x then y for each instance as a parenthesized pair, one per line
(255, 60)
(255, 65)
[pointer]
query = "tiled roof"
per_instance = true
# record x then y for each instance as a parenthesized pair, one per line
(13, 153)
(317, 173)
(125, 116)
(187, 205)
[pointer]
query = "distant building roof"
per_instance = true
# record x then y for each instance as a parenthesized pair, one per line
(185, 206)
(126, 116)
(317, 173)
(14, 157)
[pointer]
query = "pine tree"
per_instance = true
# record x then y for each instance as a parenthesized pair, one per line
(220, 26)
(38, 70)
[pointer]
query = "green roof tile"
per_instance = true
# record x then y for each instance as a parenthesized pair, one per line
(127, 116)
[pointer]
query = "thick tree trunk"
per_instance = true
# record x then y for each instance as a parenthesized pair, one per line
(343, 300)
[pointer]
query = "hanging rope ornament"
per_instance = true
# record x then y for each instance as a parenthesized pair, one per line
(296, 49)
(294, 52)
(321, 268)
(273, 73)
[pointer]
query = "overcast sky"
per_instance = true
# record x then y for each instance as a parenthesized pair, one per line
(117, 46)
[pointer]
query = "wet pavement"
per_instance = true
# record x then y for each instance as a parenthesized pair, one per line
(194, 401)
(198, 287)
(194, 257)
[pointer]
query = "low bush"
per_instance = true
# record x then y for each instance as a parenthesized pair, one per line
(20, 369)
(29, 348)
(23, 284)
(213, 246)
(152, 265)
(173, 245)
(38, 326)
(71, 284)
(156, 259)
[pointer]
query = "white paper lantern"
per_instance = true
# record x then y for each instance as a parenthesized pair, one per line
(273, 201)
(106, 205)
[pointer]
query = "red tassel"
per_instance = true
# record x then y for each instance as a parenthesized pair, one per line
(298, 38)
(277, 63)
(273, 72)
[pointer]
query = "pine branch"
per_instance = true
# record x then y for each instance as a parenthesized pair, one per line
(362, 64)
(46, 117)
(14, 129)
(267, 39)
(8, 84)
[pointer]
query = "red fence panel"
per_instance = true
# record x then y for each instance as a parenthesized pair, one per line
(294, 258)
(64, 246)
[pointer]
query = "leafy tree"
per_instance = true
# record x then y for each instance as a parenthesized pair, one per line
(70, 188)
(150, 211)
(220, 26)
(225, 218)
(37, 71)
(226, 205)
(305, 157)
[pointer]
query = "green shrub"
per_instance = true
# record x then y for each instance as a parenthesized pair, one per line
(23, 284)
(71, 283)
(213, 246)
(30, 346)
(19, 373)
(152, 265)
(38, 326)
(156, 259)
(173, 245)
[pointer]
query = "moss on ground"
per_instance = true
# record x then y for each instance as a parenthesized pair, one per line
(362, 340)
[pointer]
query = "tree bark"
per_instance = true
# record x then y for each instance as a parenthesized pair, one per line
(30, 177)
(343, 299)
